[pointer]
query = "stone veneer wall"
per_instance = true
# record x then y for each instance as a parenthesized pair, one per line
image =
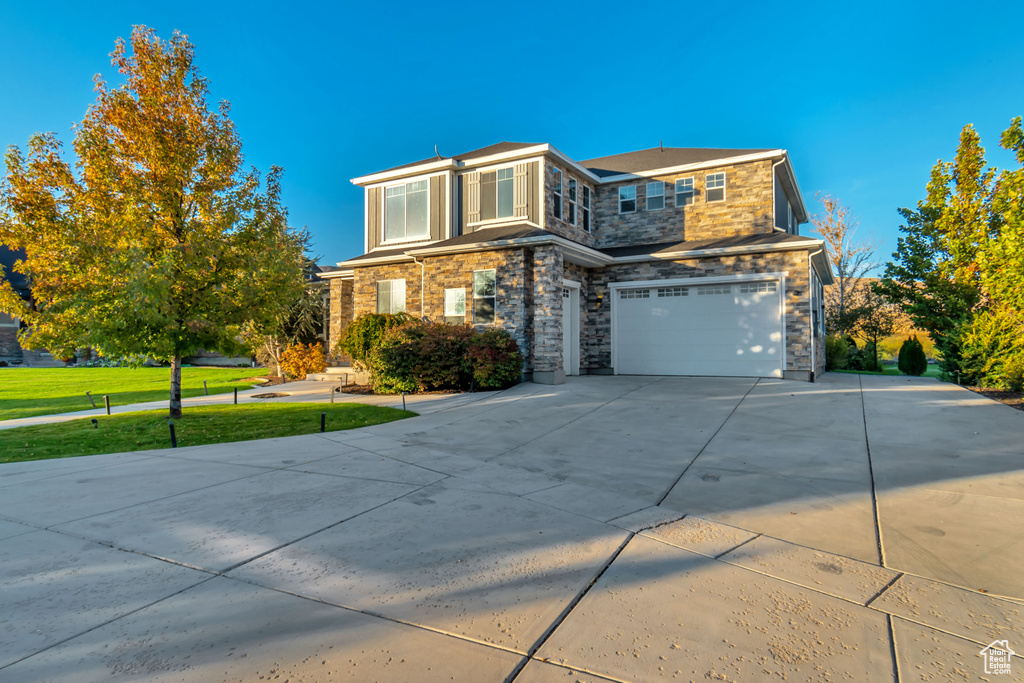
(513, 280)
(597, 333)
(547, 315)
(747, 209)
(341, 314)
(560, 226)
(10, 349)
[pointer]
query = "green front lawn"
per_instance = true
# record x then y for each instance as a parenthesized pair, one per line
(25, 392)
(932, 371)
(199, 425)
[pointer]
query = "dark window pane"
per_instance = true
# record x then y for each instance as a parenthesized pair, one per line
(483, 310)
(628, 205)
(488, 196)
(556, 206)
(716, 195)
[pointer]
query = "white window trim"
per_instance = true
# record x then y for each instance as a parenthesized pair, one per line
(495, 296)
(575, 204)
(392, 281)
(619, 191)
(384, 217)
(692, 193)
(498, 219)
(585, 191)
(558, 193)
(723, 188)
(455, 315)
(648, 195)
(780, 276)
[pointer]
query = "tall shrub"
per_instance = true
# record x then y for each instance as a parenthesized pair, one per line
(836, 350)
(495, 358)
(299, 360)
(364, 334)
(992, 351)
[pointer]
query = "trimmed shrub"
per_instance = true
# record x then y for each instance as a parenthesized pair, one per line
(836, 350)
(495, 358)
(912, 360)
(299, 360)
(365, 333)
(422, 356)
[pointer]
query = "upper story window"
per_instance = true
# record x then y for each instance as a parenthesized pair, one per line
(684, 191)
(585, 208)
(390, 296)
(655, 196)
(406, 211)
(496, 190)
(483, 296)
(627, 199)
(571, 218)
(714, 187)
(556, 195)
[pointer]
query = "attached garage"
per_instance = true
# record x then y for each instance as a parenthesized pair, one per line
(699, 326)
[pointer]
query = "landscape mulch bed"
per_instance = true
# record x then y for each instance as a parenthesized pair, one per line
(367, 390)
(1014, 399)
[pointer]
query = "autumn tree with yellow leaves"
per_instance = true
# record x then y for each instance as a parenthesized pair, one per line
(155, 243)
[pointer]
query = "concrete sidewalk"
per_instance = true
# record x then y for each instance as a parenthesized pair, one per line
(613, 528)
(303, 391)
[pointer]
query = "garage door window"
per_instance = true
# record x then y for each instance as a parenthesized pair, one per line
(635, 294)
(672, 291)
(710, 290)
(754, 287)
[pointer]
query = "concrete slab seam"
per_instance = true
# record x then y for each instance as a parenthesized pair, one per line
(354, 478)
(560, 619)
(62, 474)
(871, 476)
(737, 546)
(156, 500)
(578, 418)
(885, 588)
(108, 621)
(707, 443)
(892, 649)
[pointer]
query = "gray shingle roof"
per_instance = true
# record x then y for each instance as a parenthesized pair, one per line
(659, 157)
(466, 156)
(767, 239)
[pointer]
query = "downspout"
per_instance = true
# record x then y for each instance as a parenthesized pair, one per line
(810, 283)
(774, 211)
(422, 293)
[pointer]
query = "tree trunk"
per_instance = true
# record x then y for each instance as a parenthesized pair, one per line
(175, 412)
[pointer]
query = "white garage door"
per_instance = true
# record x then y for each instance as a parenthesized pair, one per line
(732, 329)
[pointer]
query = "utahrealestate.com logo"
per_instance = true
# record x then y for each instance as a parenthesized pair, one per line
(997, 657)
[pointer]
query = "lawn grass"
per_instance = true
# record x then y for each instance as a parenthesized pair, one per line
(199, 425)
(26, 392)
(932, 371)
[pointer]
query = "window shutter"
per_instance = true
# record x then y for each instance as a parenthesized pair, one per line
(472, 197)
(522, 191)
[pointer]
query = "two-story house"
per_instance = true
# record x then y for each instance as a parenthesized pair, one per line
(665, 261)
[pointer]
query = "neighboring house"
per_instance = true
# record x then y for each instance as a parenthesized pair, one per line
(665, 261)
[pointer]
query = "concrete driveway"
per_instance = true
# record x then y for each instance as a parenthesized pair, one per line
(613, 528)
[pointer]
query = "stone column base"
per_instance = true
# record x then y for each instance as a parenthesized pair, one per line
(549, 377)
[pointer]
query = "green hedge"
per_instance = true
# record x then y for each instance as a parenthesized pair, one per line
(424, 356)
(364, 334)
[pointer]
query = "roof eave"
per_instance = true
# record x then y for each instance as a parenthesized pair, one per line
(710, 163)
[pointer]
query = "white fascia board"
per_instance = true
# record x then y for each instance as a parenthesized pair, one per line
(586, 255)
(381, 260)
(429, 167)
(575, 164)
(700, 280)
(337, 274)
(822, 267)
(711, 163)
(723, 251)
(796, 189)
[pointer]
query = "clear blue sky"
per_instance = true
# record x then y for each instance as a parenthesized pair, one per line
(866, 97)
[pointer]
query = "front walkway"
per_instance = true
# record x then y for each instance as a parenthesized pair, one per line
(303, 391)
(613, 528)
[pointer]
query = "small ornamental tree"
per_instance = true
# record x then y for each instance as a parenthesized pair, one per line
(154, 243)
(912, 360)
(299, 360)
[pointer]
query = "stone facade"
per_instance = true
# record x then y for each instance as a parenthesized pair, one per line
(547, 315)
(747, 209)
(561, 226)
(596, 336)
(341, 313)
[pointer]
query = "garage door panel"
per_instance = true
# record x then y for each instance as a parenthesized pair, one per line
(723, 332)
